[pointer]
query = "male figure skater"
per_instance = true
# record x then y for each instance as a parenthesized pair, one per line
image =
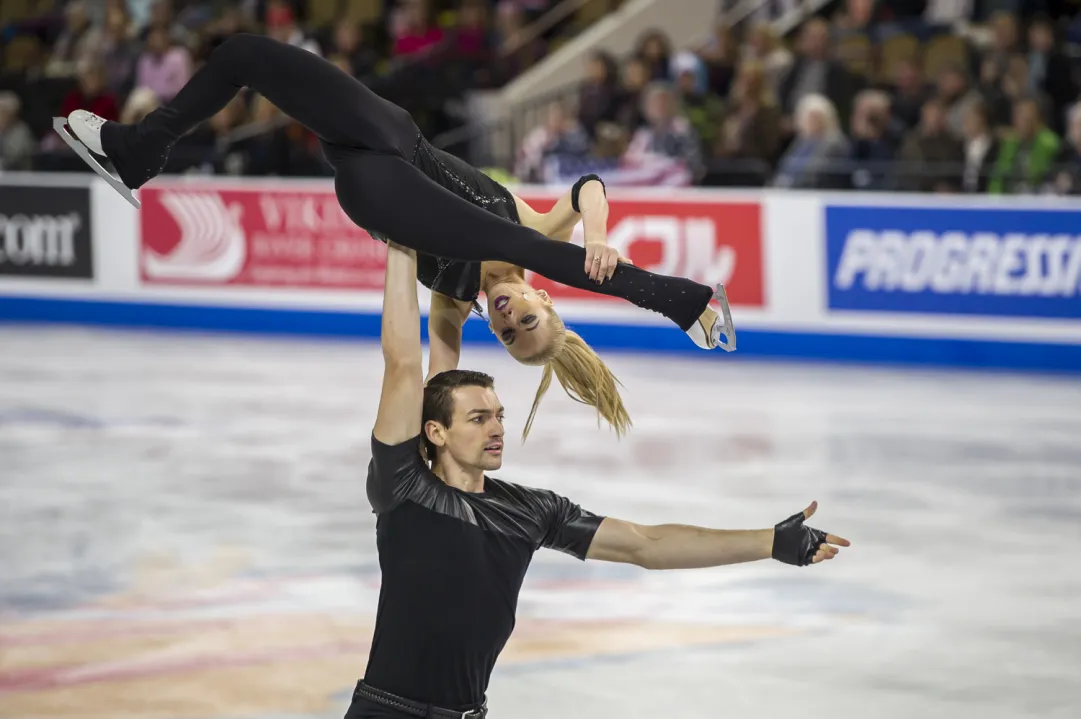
(454, 544)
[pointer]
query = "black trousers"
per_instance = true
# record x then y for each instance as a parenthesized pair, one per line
(370, 142)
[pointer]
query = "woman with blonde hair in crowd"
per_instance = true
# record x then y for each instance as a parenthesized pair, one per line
(815, 158)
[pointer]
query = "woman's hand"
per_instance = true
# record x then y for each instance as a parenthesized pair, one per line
(601, 260)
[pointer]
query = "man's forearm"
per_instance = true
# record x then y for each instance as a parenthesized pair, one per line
(401, 310)
(678, 546)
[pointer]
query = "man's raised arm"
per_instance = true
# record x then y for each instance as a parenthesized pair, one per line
(400, 403)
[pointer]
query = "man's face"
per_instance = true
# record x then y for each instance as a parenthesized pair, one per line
(474, 438)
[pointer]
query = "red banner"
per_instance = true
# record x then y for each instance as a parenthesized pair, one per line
(709, 242)
(254, 237)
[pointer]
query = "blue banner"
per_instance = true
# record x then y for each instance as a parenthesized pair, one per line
(954, 261)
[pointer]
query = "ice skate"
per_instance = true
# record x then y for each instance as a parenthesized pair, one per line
(82, 132)
(710, 328)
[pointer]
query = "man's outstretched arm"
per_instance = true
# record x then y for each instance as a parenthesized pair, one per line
(677, 546)
(400, 403)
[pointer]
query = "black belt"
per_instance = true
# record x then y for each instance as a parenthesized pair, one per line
(417, 709)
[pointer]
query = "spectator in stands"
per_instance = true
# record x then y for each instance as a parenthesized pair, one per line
(721, 55)
(282, 25)
(559, 136)
(78, 42)
(1049, 71)
(1027, 154)
(160, 17)
(700, 105)
(909, 93)
(956, 96)
(654, 49)
(1004, 42)
(857, 18)
(991, 92)
(815, 73)
(751, 130)
(16, 141)
(119, 51)
(413, 30)
(163, 68)
(629, 103)
(597, 97)
(666, 133)
(764, 47)
(347, 42)
(931, 158)
(981, 148)
(817, 158)
(874, 142)
(516, 53)
(1013, 85)
(1068, 178)
(472, 38)
(92, 93)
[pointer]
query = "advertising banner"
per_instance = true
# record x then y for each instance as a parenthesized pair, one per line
(1006, 262)
(45, 232)
(257, 237)
(713, 243)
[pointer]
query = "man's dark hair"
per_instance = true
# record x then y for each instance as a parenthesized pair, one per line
(439, 399)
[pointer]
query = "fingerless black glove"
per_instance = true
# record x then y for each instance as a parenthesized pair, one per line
(794, 542)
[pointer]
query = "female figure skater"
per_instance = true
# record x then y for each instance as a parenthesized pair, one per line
(390, 181)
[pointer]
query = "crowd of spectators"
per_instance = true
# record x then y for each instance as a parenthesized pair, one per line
(946, 96)
(122, 58)
(913, 95)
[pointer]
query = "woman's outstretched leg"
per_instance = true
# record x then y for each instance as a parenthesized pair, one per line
(314, 92)
(388, 195)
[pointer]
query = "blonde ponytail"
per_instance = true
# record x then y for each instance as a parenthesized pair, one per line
(582, 374)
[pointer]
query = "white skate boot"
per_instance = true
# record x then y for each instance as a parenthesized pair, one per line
(710, 327)
(85, 137)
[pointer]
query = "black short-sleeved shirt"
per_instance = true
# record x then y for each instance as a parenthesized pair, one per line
(453, 564)
(454, 278)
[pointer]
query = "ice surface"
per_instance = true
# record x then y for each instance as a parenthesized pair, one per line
(184, 535)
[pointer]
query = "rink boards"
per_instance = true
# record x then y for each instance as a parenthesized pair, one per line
(869, 277)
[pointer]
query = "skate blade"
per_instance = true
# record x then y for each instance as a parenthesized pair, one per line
(60, 125)
(729, 329)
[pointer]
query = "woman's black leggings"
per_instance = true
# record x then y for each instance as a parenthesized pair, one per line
(371, 142)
